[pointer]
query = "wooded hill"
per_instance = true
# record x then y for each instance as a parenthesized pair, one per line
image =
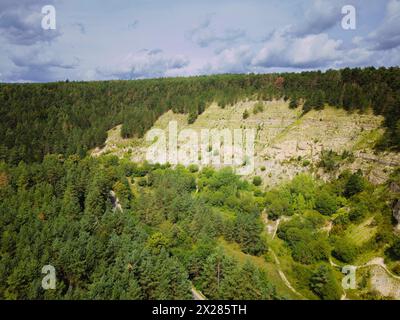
(73, 117)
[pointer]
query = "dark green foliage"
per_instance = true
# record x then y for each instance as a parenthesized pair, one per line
(73, 117)
(326, 202)
(60, 212)
(63, 213)
(394, 250)
(258, 107)
(331, 160)
(223, 278)
(293, 104)
(344, 250)
(354, 185)
(257, 181)
(192, 117)
(301, 234)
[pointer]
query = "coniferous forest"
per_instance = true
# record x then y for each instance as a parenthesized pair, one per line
(178, 228)
(73, 117)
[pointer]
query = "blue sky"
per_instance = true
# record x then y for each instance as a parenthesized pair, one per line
(121, 39)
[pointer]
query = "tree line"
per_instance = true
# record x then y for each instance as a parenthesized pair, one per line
(73, 117)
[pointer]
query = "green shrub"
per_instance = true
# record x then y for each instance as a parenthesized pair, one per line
(344, 250)
(394, 250)
(329, 160)
(354, 185)
(293, 104)
(324, 284)
(193, 168)
(258, 107)
(306, 163)
(257, 181)
(326, 202)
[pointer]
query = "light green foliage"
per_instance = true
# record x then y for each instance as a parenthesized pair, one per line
(307, 245)
(258, 107)
(326, 202)
(344, 250)
(298, 195)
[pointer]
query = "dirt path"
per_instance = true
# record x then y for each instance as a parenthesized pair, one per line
(197, 295)
(380, 262)
(276, 228)
(383, 282)
(283, 276)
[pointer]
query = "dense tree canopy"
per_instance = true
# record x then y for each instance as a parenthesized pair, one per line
(60, 212)
(73, 117)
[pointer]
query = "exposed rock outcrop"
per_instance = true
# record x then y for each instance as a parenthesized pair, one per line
(394, 187)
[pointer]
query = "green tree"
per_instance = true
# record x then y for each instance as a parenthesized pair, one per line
(324, 284)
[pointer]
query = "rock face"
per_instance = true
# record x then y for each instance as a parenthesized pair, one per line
(396, 211)
(286, 141)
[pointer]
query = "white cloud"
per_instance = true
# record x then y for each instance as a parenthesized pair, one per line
(205, 35)
(387, 36)
(318, 17)
(144, 64)
(310, 51)
(231, 60)
(20, 23)
(39, 64)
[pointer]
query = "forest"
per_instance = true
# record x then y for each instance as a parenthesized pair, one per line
(160, 242)
(175, 229)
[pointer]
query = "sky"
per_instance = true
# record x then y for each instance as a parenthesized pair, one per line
(135, 39)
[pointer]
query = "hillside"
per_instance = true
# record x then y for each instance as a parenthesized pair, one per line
(287, 141)
(77, 193)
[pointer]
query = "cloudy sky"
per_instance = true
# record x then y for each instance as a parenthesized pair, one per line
(132, 39)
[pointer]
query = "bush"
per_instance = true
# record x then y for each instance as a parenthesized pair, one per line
(192, 117)
(245, 114)
(306, 106)
(394, 250)
(326, 203)
(293, 104)
(329, 160)
(193, 168)
(278, 204)
(142, 181)
(258, 107)
(257, 181)
(324, 284)
(396, 269)
(344, 250)
(354, 185)
(306, 163)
